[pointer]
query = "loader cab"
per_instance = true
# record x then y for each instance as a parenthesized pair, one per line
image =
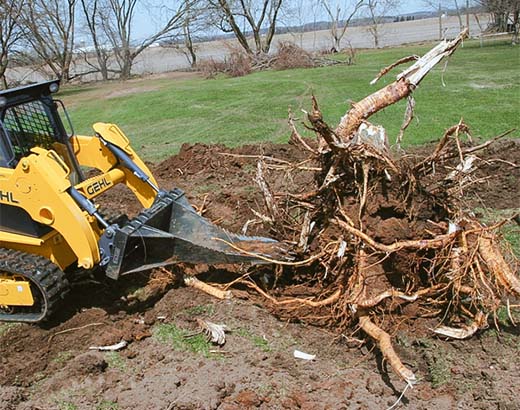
(30, 117)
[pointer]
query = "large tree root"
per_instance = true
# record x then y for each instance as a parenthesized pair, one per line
(493, 258)
(375, 233)
(193, 282)
(385, 345)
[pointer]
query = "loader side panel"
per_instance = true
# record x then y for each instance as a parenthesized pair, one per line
(38, 187)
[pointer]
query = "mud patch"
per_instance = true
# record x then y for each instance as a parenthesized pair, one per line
(123, 92)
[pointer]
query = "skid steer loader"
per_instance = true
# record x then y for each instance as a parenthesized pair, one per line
(50, 227)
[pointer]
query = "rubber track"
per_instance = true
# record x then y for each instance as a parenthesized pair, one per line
(48, 277)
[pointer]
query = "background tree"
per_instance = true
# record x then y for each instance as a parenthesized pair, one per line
(504, 14)
(459, 14)
(340, 14)
(377, 12)
(118, 23)
(49, 30)
(240, 16)
(93, 15)
(194, 22)
(189, 29)
(443, 6)
(10, 33)
(298, 15)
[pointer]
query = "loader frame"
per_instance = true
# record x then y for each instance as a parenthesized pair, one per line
(45, 198)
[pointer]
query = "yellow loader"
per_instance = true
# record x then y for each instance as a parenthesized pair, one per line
(50, 227)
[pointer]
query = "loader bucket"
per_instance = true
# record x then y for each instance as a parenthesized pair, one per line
(170, 231)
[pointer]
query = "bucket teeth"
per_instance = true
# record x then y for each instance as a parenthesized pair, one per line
(171, 231)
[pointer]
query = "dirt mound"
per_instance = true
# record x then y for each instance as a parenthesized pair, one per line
(499, 178)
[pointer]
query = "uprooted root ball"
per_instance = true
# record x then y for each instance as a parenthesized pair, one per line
(377, 233)
(378, 238)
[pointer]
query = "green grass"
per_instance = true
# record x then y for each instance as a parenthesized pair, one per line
(199, 310)
(107, 405)
(439, 364)
(503, 316)
(66, 405)
(482, 85)
(63, 357)
(512, 235)
(182, 340)
(116, 361)
(510, 231)
(257, 341)
(5, 327)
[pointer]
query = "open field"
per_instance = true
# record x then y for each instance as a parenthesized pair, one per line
(160, 114)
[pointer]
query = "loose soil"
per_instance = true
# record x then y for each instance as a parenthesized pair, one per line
(51, 366)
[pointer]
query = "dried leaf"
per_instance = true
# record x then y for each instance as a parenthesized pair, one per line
(216, 333)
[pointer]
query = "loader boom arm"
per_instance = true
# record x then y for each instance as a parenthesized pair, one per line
(94, 152)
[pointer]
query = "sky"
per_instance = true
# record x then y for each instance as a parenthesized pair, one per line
(145, 24)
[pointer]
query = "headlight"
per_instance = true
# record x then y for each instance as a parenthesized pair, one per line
(54, 87)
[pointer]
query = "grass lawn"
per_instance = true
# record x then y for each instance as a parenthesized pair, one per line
(159, 115)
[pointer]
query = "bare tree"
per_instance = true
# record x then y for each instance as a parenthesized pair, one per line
(118, 21)
(459, 14)
(195, 21)
(239, 16)
(505, 14)
(377, 12)
(93, 21)
(10, 32)
(340, 14)
(188, 31)
(298, 13)
(49, 28)
(440, 6)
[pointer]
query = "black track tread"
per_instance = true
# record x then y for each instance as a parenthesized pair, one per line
(49, 278)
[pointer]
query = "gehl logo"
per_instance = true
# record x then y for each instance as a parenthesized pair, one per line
(98, 186)
(6, 196)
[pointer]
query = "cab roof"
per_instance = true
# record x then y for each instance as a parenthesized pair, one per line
(21, 95)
